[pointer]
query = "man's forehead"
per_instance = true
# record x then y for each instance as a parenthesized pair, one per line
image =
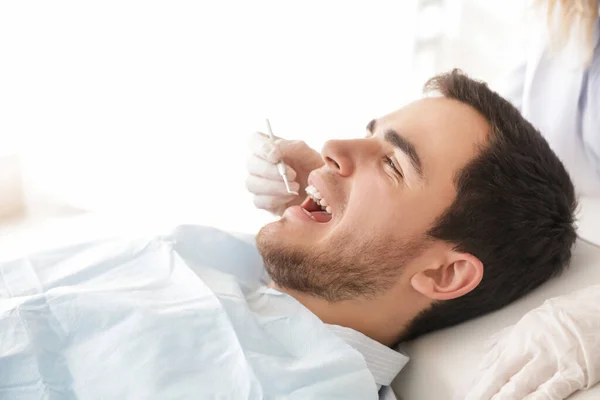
(418, 107)
(436, 116)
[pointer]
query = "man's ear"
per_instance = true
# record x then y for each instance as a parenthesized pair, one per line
(454, 278)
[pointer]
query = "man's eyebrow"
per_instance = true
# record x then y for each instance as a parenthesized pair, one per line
(406, 147)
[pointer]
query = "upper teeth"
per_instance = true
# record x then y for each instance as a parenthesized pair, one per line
(317, 197)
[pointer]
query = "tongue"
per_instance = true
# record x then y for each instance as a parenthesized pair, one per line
(321, 216)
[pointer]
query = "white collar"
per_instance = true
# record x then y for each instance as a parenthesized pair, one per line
(383, 362)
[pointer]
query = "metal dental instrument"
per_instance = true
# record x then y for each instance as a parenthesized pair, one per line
(280, 165)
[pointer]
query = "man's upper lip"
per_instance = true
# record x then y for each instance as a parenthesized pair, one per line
(311, 181)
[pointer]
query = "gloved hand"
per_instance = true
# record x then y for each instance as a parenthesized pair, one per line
(552, 352)
(264, 181)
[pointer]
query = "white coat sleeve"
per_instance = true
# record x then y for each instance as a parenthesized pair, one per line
(590, 111)
(511, 85)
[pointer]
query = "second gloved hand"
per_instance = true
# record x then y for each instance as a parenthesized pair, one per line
(552, 352)
(264, 181)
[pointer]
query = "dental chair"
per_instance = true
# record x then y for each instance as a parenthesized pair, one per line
(444, 362)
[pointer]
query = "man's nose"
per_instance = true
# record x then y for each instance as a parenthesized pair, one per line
(342, 156)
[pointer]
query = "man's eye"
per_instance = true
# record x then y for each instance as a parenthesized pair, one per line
(390, 162)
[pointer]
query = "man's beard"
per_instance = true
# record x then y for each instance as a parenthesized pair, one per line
(349, 269)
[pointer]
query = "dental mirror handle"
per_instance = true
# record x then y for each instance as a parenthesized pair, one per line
(280, 165)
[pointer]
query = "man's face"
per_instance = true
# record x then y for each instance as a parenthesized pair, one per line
(385, 192)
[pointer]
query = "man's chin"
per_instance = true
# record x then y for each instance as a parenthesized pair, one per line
(284, 237)
(266, 238)
(276, 239)
(276, 230)
(269, 229)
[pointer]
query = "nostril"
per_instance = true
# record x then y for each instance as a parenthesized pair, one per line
(332, 161)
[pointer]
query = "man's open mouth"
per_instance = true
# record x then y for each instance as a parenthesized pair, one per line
(316, 205)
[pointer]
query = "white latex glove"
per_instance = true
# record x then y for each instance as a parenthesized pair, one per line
(264, 181)
(552, 352)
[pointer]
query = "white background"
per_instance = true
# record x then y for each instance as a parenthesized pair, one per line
(145, 108)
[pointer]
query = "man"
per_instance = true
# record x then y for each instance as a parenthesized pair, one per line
(449, 208)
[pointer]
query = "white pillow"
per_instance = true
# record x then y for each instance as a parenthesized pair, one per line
(442, 363)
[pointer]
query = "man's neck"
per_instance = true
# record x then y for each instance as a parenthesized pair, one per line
(365, 316)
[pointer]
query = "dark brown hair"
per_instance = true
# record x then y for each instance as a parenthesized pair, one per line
(514, 209)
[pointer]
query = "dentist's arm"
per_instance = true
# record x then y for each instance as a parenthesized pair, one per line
(264, 181)
(552, 352)
(590, 123)
(512, 85)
